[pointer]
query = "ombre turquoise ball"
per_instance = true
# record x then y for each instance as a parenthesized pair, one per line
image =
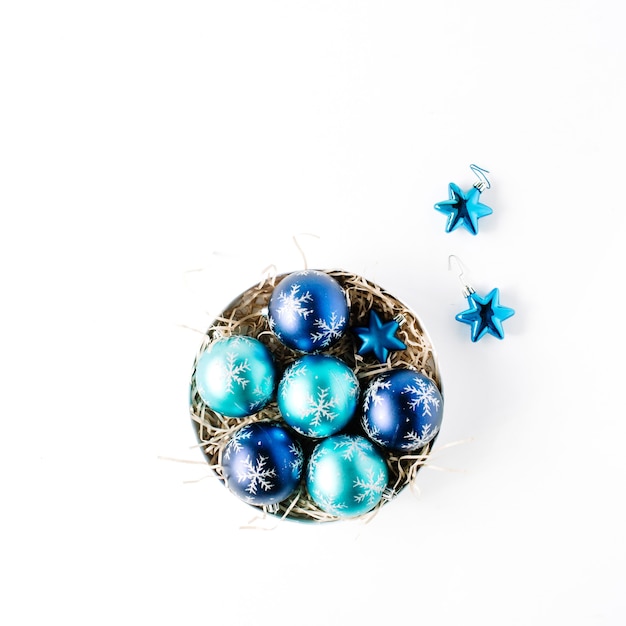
(236, 376)
(346, 475)
(318, 395)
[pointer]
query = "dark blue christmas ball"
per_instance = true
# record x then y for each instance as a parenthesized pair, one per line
(236, 376)
(308, 311)
(318, 395)
(262, 463)
(402, 410)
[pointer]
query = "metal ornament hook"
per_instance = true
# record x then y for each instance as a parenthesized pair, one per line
(483, 182)
(468, 290)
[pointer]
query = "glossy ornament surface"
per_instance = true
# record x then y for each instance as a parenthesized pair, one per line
(378, 338)
(236, 376)
(308, 311)
(318, 395)
(346, 475)
(262, 463)
(463, 208)
(485, 315)
(402, 410)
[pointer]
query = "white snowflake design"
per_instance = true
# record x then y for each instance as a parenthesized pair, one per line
(423, 394)
(371, 394)
(257, 474)
(311, 432)
(329, 505)
(347, 379)
(415, 440)
(231, 371)
(298, 461)
(370, 488)
(317, 455)
(293, 371)
(329, 329)
(292, 304)
(234, 445)
(320, 407)
(373, 432)
(349, 446)
(261, 393)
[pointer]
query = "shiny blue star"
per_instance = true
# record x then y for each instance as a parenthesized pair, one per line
(463, 208)
(485, 315)
(378, 338)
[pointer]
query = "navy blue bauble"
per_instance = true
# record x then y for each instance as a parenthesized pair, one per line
(262, 463)
(308, 311)
(402, 410)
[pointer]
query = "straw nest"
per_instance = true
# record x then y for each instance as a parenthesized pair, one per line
(246, 315)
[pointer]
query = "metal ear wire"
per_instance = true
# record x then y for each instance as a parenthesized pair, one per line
(467, 288)
(483, 182)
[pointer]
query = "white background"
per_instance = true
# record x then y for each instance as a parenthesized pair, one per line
(142, 140)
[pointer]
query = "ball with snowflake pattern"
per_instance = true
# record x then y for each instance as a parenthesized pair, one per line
(236, 376)
(346, 475)
(318, 395)
(402, 410)
(262, 463)
(308, 311)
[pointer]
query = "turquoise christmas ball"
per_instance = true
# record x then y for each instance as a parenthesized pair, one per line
(236, 376)
(318, 395)
(262, 463)
(308, 311)
(402, 410)
(346, 475)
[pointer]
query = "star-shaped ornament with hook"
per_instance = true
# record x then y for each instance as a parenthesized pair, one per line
(485, 314)
(464, 208)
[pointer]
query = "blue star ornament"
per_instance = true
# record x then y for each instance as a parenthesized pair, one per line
(463, 208)
(485, 315)
(378, 338)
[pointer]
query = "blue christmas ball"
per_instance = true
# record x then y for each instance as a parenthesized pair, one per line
(308, 311)
(346, 475)
(262, 463)
(236, 376)
(402, 410)
(318, 395)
